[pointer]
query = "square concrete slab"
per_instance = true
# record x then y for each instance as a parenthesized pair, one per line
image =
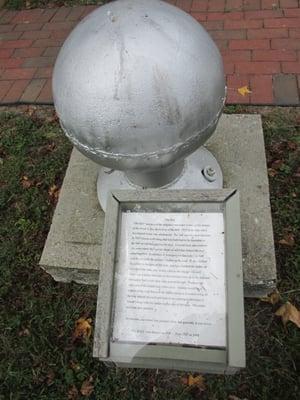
(285, 89)
(73, 248)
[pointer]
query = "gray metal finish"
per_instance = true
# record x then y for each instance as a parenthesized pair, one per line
(228, 360)
(138, 85)
(192, 175)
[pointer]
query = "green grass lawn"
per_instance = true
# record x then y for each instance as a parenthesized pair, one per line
(40, 361)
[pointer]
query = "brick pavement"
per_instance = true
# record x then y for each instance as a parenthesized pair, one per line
(259, 41)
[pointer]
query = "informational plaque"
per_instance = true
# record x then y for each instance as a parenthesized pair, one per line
(170, 279)
(170, 291)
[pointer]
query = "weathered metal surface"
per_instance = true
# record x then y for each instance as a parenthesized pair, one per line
(190, 176)
(138, 85)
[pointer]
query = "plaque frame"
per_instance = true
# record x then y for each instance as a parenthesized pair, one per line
(228, 360)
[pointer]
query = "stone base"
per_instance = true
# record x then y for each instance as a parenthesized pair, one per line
(73, 248)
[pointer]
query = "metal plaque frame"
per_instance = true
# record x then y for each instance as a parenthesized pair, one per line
(227, 360)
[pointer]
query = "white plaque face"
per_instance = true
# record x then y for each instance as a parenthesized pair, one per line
(170, 284)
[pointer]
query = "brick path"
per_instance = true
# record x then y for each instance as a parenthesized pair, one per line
(259, 41)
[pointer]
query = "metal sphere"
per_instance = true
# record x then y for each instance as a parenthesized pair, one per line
(138, 84)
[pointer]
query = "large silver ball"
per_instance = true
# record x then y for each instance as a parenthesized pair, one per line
(138, 84)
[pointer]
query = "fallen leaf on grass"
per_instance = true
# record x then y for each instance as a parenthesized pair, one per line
(31, 110)
(197, 380)
(273, 298)
(87, 387)
(24, 332)
(75, 366)
(26, 182)
(54, 192)
(50, 147)
(73, 393)
(288, 312)
(244, 90)
(272, 172)
(288, 240)
(83, 329)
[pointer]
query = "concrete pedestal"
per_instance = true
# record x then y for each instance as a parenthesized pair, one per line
(73, 248)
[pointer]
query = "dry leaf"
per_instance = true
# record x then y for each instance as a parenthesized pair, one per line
(191, 380)
(244, 90)
(272, 172)
(288, 240)
(273, 298)
(24, 332)
(82, 330)
(50, 147)
(73, 393)
(54, 192)
(87, 387)
(31, 110)
(26, 182)
(288, 312)
(75, 366)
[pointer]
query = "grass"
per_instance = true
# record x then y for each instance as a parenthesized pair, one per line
(37, 315)
(29, 4)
